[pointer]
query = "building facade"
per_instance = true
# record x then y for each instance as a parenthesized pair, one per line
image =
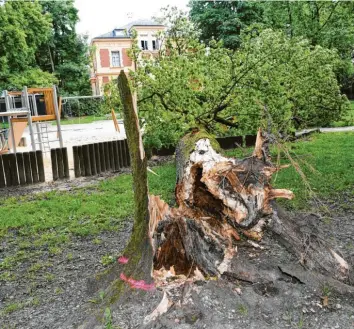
(110, 51)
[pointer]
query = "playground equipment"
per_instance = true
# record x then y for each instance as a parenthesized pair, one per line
(27, 114)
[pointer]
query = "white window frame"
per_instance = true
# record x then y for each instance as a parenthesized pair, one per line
(157, 44)
(144, 44)
(120, 58)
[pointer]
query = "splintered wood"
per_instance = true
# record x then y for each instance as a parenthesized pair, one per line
(218, 199)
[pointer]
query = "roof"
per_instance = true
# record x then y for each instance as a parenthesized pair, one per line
(120, 32)
(140, 22)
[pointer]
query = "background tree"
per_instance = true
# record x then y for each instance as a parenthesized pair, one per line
(23, 28)
(329, 24)
(224, 20)
(65, 53)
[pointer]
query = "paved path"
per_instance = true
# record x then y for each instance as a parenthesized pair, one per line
(76, 134)
(326, 130)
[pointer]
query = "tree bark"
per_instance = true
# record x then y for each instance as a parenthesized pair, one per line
(223, 201)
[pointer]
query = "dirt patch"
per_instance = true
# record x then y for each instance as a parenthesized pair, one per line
(49, 295)
(56, 295)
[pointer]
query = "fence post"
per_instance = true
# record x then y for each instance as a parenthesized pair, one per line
(82, 160)
(102, 156)
(2, 174)
(21, 168)
(64, 151)
(60, 162)
(92, 159)
(40, 164)
(98, 158)
(86, 153)
(28, 170)
(13, 169)
(53, 155)
(76, 157)
(34, 167)
(106, 153)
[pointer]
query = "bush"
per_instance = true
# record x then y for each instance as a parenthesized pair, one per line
(84, 107)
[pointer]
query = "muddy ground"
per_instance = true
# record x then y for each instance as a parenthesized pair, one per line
(64, 296)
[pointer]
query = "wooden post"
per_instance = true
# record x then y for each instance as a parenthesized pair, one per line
(13, 169)
(77, 169)
(21, 168)
(93, 159)
(82, 160)
(53, 155)
(34, 167)
(2, 175)
(40, 164)
(59, 152)
(124, 153)
(64, 151)
(107, 156)
(116, 155)
(98, 158)
(7, 171)
(120, 154)
(28, 170)
(127, 154)
(102, 157)
(111, 155)
(86, 153)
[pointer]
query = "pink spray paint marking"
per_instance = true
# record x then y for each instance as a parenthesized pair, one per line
(123, 260)
(141, 284)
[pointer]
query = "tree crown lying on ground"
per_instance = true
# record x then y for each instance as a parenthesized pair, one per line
(271, 80)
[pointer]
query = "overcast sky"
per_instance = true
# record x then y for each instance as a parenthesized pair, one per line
(100, 16)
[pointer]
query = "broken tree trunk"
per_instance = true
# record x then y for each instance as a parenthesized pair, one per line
(139, 250)
(222, 201)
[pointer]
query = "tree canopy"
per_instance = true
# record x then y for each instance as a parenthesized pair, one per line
(224, 20)
(271, 77)
(23, 28)
(65, 53)
(39, 46)
(329, 24)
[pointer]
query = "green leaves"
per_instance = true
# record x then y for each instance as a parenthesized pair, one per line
(272, 80)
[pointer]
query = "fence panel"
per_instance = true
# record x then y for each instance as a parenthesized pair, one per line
(21, 169)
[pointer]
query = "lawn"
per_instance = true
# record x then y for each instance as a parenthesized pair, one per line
(37, 226)
(327, 161)
(81, 120)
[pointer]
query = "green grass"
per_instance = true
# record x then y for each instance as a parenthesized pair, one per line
(83, 210)
(347, 120)
(331, 155)
(81, 120)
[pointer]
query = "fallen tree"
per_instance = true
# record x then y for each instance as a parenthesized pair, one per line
(222, 203)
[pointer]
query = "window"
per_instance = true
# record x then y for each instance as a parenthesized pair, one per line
(115, 55)
(144, 44)
(155, 44)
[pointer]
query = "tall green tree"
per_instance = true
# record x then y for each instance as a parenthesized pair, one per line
(23, 28)
(65, 53)
(224, 20)
(329, 24)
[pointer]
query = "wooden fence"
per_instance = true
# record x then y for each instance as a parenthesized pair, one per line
(60, 163)
(226, 143)
(93, 159)
(21, 169)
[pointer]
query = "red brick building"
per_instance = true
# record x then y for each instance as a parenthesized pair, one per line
(110, 51)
